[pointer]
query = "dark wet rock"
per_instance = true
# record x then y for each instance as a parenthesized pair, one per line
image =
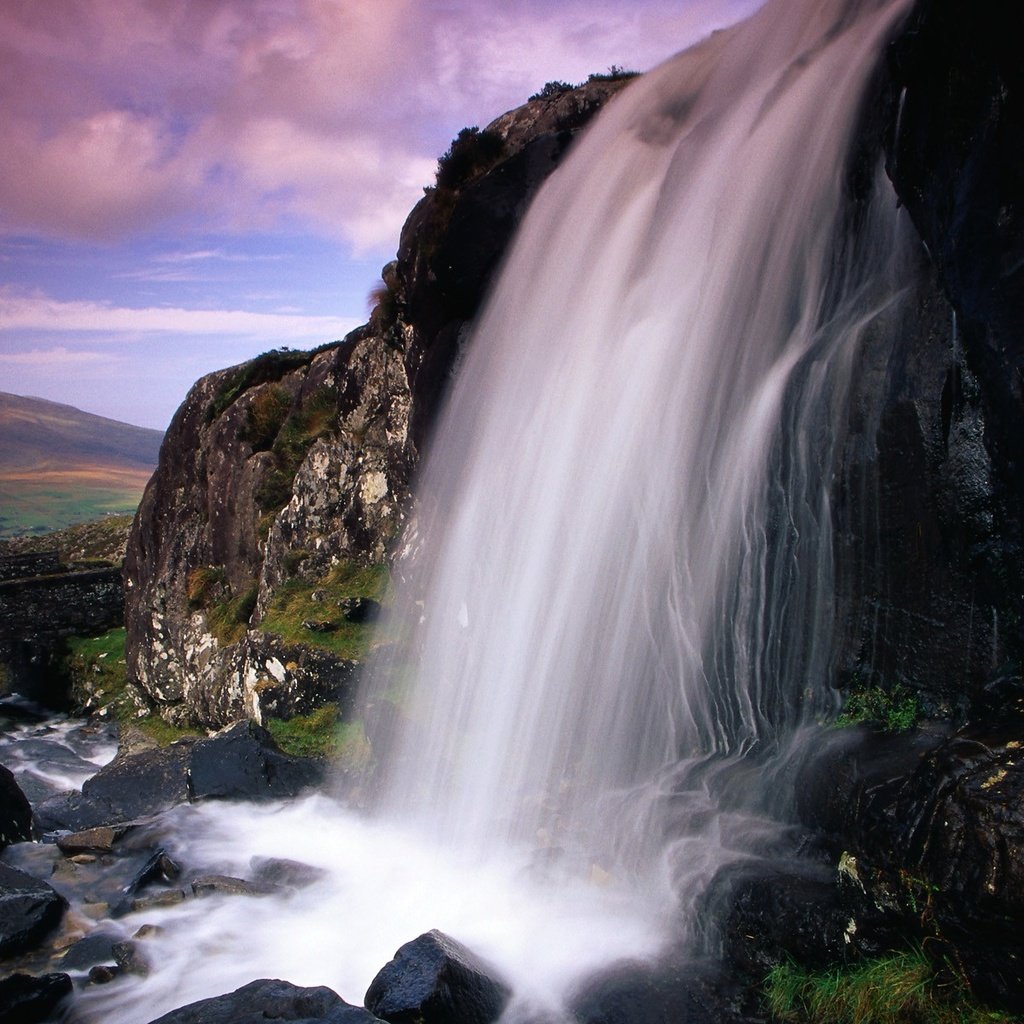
(288, 874)
(160, 867)
(103, 974)
(436, 980)
(15, 812)
(29, 910)
(97, 948)
(267, 999)
(25, 999)
(668, 992)
(129, 788)
(242, 762)
(934, 825)
(100, 839)
(802, 913)
(130, 959)
(359, 609)
(227, 885)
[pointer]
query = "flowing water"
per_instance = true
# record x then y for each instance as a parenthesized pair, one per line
(616, 625)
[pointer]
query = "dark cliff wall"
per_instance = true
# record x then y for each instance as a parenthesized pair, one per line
(929, 551)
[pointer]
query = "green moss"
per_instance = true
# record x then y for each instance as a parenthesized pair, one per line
(896, 709)
(98, 676)
(293, 604)
(321, 734)
(229, 619)
(270, 366)
(898, 989)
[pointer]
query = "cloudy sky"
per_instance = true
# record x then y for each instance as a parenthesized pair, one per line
(187, 183)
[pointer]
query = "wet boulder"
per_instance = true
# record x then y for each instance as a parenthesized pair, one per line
(436, 980)
(242, 762)
(267, 999)
(25, 999)
(29, 910)
(15, 812)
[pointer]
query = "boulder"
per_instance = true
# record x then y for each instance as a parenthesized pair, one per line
(673, 991)
(97, 948)
(436, 980)
(29, 910)
(228, 885)
(268, 999)
(241, 762)
(15, 812)
(25, 999)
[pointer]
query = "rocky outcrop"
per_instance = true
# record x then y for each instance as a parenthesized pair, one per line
(281, 469)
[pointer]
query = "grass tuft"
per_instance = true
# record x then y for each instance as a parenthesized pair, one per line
(898, 989)
(321, 734)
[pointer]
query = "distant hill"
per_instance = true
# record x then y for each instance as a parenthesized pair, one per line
(59, 465)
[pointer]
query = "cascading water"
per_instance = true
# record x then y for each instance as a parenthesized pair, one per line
(625, 586)
(616, 624)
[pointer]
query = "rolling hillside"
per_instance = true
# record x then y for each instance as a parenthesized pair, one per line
(59, 465)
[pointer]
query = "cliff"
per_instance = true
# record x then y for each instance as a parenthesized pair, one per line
(282, 480)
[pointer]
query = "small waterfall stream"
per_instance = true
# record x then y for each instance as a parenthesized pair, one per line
(616, 625)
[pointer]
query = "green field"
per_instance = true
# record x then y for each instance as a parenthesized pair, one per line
(30, 507)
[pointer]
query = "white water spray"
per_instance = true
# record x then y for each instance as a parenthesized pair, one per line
(618, 621)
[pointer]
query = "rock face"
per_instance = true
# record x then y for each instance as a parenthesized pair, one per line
(15, 812)
(277, 470)
(435, 980)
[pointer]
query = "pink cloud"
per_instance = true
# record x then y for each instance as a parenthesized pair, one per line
(119, 117)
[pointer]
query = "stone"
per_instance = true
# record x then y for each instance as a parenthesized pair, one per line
(100, 839)
(242, 762)
(288, 874)
(226, 885)
(359, 609)
(167, 898)
(130, 959)
(29, 910)
(270, 999)
(436, 980)
(25, 999)
(15, 812)
(129, 788)
(94, 949)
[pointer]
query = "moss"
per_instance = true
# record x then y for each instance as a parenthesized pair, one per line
(293, 604)
(265, 416)
(265, 368)
(321, 734)
(98, 676)
(895, 709)
(229, 619)
(204, 585)
(898, 989)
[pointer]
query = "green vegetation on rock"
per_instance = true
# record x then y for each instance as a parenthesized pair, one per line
(321, 734)
(897, 989)
(896, 709)
(300, 601)
(229, 619)
(98, 678)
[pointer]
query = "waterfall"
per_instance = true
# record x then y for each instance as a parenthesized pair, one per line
(614, 623)
(619, 616)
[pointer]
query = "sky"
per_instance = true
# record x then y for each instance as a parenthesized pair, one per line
(187, 183)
